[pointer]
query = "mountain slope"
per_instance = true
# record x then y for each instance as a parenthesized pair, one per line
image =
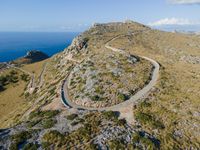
(165, 118)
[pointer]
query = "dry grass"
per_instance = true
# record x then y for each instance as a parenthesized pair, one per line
(35, 68)
(175, 101)
(12, 101)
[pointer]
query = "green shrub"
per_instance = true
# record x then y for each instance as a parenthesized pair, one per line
(19, 138)
(143, 117)
(32, 123)
(45, 145)
(110, 115)
(122, 97)
(145, 104)
(135, 138)
(43, 114)
(13, 72)
(48, 123)
(3, 80)
(25, 77)
(30, 146)
(121, 122)
(72, 116)
(52, 91)
(9, 78)
(117, 145)
(53, 137)
(95, 98)
(149, 119)
(142, 139)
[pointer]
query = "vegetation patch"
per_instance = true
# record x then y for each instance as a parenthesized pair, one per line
(139, 140)
(43, 114)
(117, 144)
(11, 77)
(145, 118)
(19, 138)
(45, 118)
(72, 116)
(110, 115)
(31, 146)
(48, 123)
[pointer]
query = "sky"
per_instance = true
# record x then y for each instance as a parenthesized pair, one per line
(78, 15)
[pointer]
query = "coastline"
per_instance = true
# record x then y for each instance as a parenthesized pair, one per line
(48, 42)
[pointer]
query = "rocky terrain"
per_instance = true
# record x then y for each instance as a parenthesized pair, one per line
(100, 83)
(165, 118)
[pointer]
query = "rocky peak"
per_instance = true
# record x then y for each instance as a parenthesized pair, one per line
(35, 55)
(31, 57)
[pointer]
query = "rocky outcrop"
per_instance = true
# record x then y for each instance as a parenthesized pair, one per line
(36, 55)
(77, 45)
(31, 56)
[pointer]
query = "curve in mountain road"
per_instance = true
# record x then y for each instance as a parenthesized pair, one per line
(154, 77)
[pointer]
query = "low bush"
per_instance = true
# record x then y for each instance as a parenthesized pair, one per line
(145, 118)
(142, 139)
(121, 122)
(145, 104)
(52, 91)
(43, 114)
(116, 144)
(110, 115)
(123, 97)
(48, 123)
(25, 77)
(9, 78)
(53, 137)
(30, 146)
(95, 98)
(19, 138)
(72, 116)
(32, 123)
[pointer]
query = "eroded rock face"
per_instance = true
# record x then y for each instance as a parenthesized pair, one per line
(77, 45)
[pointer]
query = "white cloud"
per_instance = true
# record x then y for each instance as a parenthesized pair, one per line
(173, 21)
(184, 1)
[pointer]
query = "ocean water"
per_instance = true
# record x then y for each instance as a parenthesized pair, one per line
(15, 44)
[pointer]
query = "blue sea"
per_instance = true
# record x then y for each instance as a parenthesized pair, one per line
(15, 44)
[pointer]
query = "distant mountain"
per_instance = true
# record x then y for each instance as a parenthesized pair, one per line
(31, 57)
(188, 28)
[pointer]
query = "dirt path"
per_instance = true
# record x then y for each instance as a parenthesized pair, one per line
(41, 76)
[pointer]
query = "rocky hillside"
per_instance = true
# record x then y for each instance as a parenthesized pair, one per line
(165, 118)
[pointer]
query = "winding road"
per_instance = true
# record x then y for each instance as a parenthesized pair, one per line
(121, 106)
